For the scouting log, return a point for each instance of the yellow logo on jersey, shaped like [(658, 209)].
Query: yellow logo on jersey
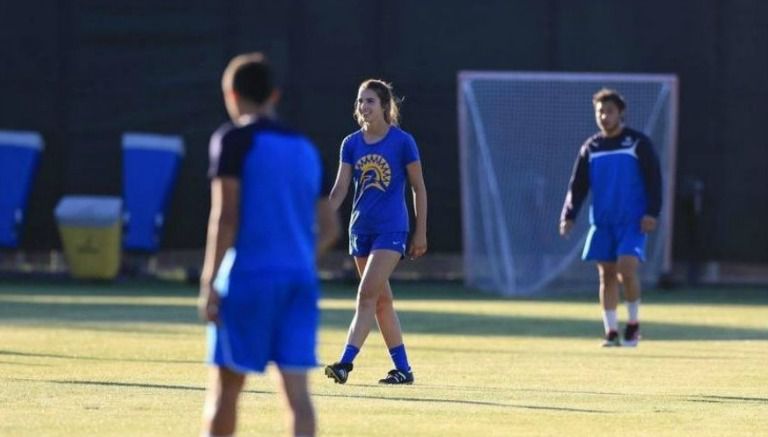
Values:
[(374, 172)]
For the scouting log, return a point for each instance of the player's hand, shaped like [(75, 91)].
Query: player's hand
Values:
[(648, 224), (418, 246), (565, 228), (208, 304)]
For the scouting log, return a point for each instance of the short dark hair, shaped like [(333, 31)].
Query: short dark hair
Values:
[(609, 95), (250, 76)]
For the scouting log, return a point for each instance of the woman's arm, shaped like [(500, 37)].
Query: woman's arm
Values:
[(341, 186), (222, 229), (329, 227), (419, 239)]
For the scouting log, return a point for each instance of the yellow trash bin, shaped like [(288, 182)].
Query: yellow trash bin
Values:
[(90, 228)]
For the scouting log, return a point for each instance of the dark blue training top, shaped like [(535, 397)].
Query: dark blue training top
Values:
[(281, 179), (379, 175), (624, 175)]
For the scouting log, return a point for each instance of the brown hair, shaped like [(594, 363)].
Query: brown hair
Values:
[(609, 95), (250, 77), (390, 103)]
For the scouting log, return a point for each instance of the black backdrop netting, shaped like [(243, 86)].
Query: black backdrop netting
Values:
[(81, 72)]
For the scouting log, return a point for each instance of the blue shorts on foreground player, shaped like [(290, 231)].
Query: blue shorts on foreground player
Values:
[(607, 243), (266, 317)]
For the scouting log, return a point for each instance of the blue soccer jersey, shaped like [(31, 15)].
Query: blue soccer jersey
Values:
[(267, 282), (281, 180), (379, 175), (624, 176)]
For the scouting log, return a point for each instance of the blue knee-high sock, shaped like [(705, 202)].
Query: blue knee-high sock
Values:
[(350, 352), (400, 358)]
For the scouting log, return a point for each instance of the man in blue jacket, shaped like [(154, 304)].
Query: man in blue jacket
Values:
[(620, 167)]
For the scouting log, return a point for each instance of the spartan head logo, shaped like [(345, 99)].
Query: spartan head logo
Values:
[(374, 172)]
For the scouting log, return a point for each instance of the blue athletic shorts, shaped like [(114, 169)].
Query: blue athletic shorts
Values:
[(266, 317), (607, 243), (364, 244)]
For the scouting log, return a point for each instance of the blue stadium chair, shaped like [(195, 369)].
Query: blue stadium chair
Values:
[(150, 167), (19, 158)]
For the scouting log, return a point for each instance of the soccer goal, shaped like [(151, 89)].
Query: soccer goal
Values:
[(519, 133)]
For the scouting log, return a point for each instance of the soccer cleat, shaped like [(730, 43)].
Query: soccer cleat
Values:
[(397, 377), (338, 372), (611, 339), (631, 334)]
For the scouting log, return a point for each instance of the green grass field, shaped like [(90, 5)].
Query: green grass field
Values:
[(126, 360)]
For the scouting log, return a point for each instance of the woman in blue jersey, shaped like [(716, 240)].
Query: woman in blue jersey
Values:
[(379, 158), (621, 169)]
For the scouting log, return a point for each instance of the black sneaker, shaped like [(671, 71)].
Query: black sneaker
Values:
[(631, 334), (611, 339), (397, 377), (338, 372)]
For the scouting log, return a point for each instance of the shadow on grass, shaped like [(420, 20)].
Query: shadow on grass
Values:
[(90, 358), (11, 363), (729, 399), (327, 395), (557, 353), (407, 290), (694, 398), (465, 402), (404, 290), (101, 312), (101, 315), (71, 287), (463, 324), (127, 384)]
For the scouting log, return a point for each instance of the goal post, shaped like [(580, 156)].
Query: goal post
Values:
[(519, 133)]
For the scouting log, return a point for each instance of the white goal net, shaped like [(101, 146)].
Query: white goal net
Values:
[(519, 133)]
